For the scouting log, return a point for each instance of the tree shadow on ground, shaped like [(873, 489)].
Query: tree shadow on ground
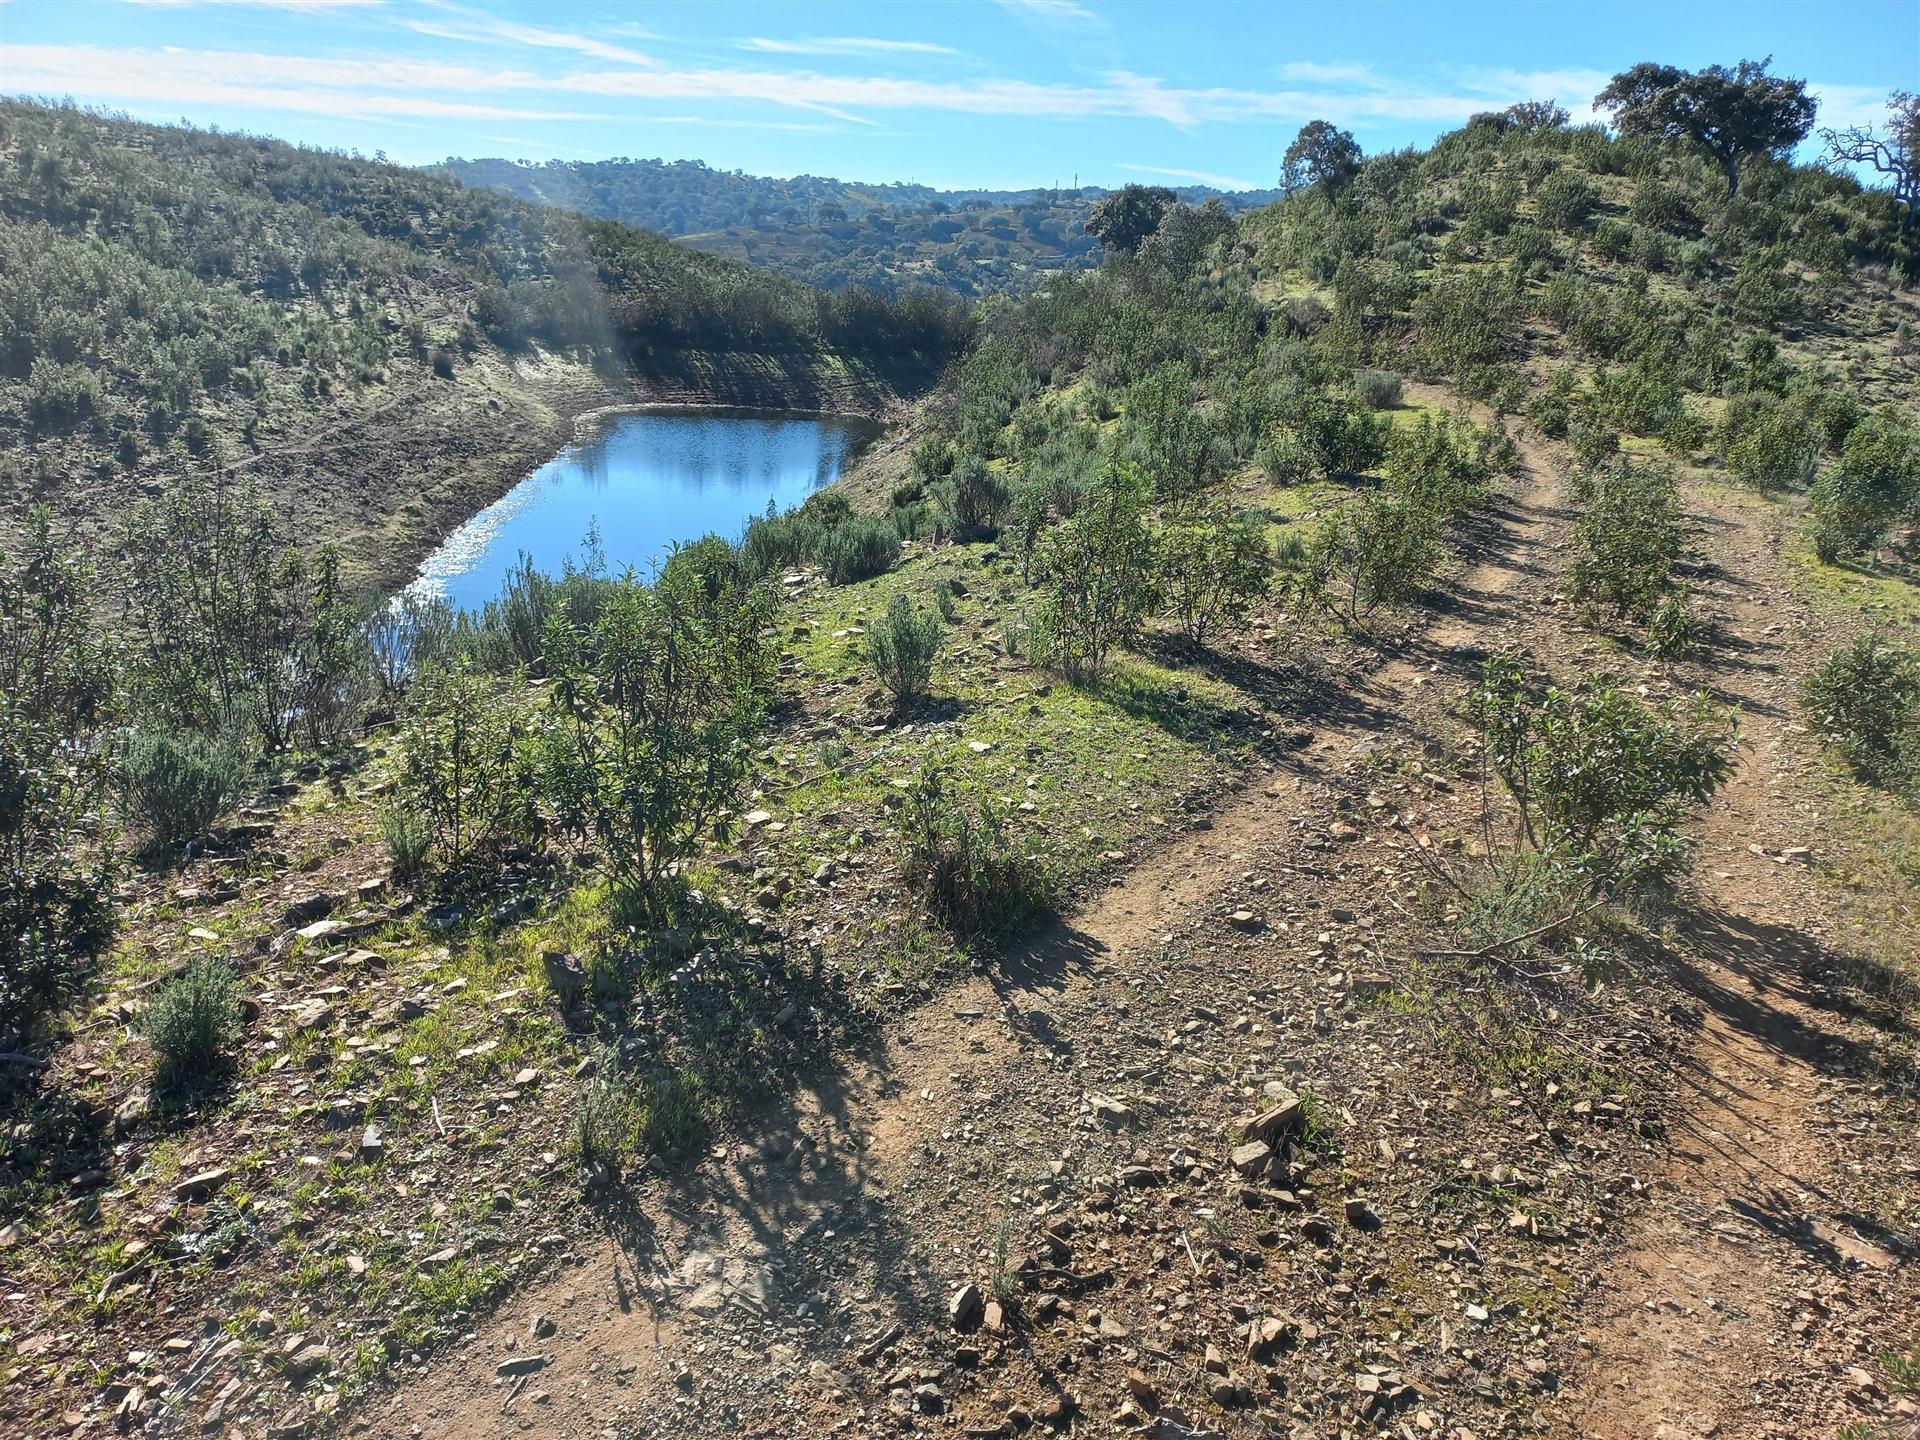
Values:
[(1294, 690), (1779, 985)]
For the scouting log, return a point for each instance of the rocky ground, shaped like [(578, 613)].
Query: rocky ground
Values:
[(1239, 1146), (1224, 1154)]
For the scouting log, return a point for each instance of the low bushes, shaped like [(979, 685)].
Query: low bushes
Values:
[(1377, 389), (823, 532), (963, 863), (466, 771), (175, 785), (1601, 781), (194, 1022), (1213, 564), (1855, 501), (1380, 549), (1629, 537), (858, 549), (1865, 702), (901, 648), (1097, 573)]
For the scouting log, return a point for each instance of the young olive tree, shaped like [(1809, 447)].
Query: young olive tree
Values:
[(656, 707), (1629, 538), (1097, 570), (1600, 780), (1213, 566), (1381, 549), (1877, 477), (465, 766), (230, 627)]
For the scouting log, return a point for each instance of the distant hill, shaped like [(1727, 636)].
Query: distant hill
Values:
[(832, 233), (384, 344)]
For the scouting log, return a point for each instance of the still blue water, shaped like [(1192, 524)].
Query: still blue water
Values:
[(645, 482)]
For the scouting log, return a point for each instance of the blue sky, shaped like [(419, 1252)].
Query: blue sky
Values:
[(957, 94)]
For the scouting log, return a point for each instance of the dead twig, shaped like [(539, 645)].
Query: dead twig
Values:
[(1498, 945)]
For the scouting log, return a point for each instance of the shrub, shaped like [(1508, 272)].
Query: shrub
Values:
[(1685, 433), (411, 634), (464, 766), (1564, 200), (1628, 538), (1098, 572), (1377, 389), (1845, 517), (1865, 701), (194, 1022), (779, 541), (1435, 463), (1466, 320), (330, 676), (59, 394), (1213, 565), (901, 648), (176, 785), (408, 837), (56, 696), (1336, 438), (1776, 448), (1551, 410), (1673, 631), (1178, 447), (1854, 501), (603, 1119), (963, 864), (858, 549), (1380, 549), (980, 495), (1306, 314), (655, 707), (1601, 780)]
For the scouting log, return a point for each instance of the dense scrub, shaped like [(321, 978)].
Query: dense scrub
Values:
[(176, 293), (836, 234)]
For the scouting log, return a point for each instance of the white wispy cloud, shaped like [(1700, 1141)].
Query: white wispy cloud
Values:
[(1845, 106), (632, 30), (478, 27), (1199, 177), (1313, 72), (1052, 10), (363, 89), (844, 45), (395, 85), (263, 4), (1573, 90)]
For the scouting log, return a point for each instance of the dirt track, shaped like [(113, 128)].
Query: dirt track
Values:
[(796, 1284)]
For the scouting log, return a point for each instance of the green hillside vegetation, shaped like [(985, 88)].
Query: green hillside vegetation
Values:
[(832, 233), (683, 835), (173, 298)]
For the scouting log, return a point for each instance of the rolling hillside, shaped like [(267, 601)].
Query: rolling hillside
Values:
[(834, 233), (1327, 842), (388, 347)]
